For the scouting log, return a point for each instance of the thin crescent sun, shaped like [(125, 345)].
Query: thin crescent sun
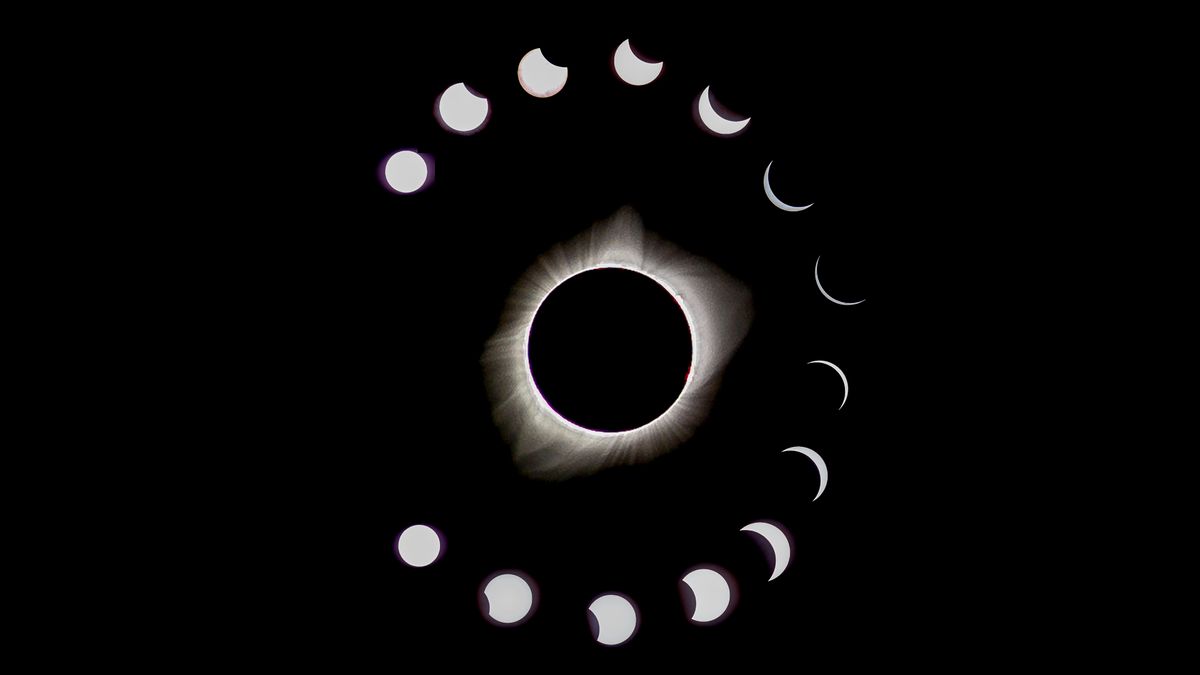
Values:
[(817, 276), (771, 193)]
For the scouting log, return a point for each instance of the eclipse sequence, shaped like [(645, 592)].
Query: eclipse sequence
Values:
[(584, 291)]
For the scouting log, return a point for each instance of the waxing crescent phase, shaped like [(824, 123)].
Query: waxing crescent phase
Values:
[(822, 288), (771, 193), (822, 471), (845, 383)]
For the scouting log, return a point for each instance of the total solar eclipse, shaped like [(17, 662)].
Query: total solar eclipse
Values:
[(610, 349)]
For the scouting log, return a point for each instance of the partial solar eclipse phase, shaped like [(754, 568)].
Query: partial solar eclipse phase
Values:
[(633, 70), (613, 619), (778, 541), (713, 121), (461, 110), (707, 595), (779, 203), (540, 78), (507, 598)]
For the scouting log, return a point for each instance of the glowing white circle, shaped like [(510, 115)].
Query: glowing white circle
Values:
[(419, 545), (406, 171)]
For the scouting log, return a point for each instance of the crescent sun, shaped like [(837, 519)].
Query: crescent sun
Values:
[(822, 288), (822, 470), (845, 383), (633, 70), (771, 193), (778, 540), (713, 121)]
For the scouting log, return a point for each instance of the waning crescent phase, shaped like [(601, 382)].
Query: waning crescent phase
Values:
[(822, 471), (771, 193), (633, 70), (714, 122), (845, 384), (539, 77), (778, 541), (461, 110), (822, 288)]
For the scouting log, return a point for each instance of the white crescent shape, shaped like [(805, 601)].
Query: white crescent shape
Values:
[(714, 122), (779, 544), (845, 384), (539, 77), (460, 110), (712, 594), (616, 619), (822, 288), (816, 459), (771, 193), (509, 598), (633, 70)]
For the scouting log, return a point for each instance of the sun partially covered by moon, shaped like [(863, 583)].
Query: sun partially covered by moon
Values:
[(712, 121), (633, 70), (540, 78), (547, 445), (461, 110)]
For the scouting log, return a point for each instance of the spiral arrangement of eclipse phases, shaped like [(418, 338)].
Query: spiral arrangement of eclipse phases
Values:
[(547, 445)]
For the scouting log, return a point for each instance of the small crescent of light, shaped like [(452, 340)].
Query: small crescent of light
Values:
[(822, 471), (822, 288), (716, 123), (778, 542), (776, 200), (633, 70), (845, 384)]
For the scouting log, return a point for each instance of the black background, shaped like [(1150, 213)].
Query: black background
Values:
[(390, 299)]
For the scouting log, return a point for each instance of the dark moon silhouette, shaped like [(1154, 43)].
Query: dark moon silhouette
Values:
[(610, 349)]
